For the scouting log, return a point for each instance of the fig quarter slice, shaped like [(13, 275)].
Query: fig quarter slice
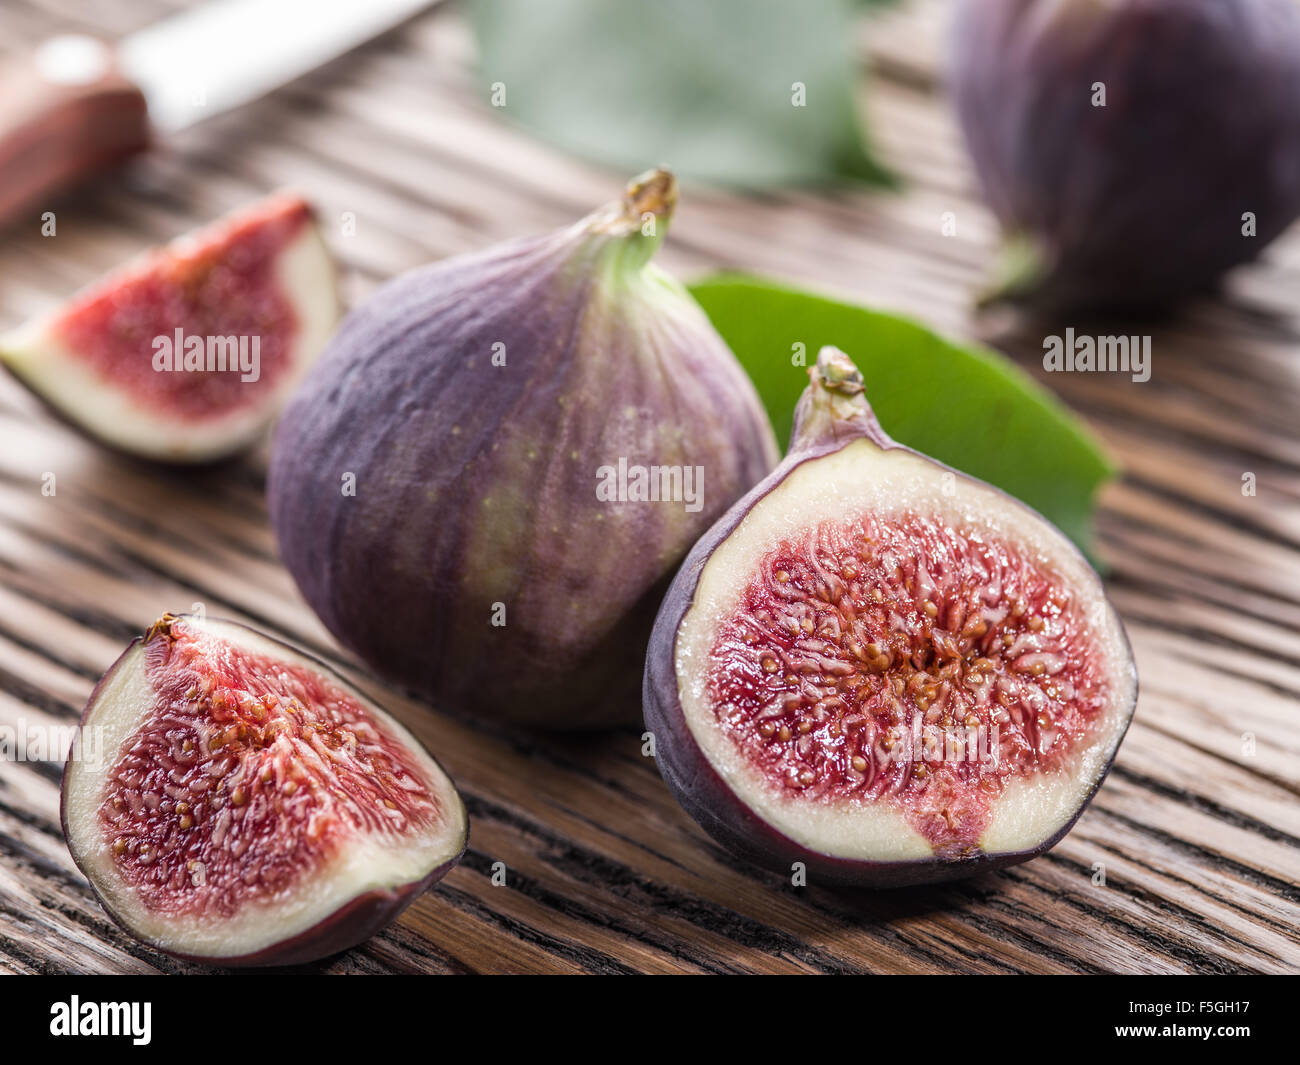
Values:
[(186, 353), (882, 668), (245, 805)]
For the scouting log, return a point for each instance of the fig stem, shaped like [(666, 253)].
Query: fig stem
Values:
[(162, 626), (654, 192), (833, 408), (1018, 272), (640, 219)]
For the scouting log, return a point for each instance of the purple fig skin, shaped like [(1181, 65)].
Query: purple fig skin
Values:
[(698, 787), (476, 483), (1136, 204), (361, 917)]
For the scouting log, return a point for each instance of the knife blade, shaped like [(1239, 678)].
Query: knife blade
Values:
[(78, 105), (227, 53)]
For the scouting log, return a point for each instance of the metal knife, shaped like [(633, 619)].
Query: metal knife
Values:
[(79, 105)]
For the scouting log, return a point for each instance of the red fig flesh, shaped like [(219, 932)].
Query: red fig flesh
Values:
[(883, 668), (186, 354), (246, 806)]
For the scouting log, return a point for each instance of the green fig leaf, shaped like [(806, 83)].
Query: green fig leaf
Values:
[(962, 404), (710, 90)]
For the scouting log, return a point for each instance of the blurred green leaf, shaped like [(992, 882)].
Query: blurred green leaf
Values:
[(707, 88), (964, 405)]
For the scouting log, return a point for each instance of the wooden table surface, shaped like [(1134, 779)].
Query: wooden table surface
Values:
[(1197, 825)]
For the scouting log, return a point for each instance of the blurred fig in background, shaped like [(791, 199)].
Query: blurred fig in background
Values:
[(1133, 150)]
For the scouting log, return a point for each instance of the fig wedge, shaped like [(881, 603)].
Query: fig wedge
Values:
[(245, 805), (186, 354)]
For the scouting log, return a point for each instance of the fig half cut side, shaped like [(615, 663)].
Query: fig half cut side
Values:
[(882, 668), (235, 802)]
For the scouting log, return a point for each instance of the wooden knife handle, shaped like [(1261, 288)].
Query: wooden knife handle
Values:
[(66, 114)]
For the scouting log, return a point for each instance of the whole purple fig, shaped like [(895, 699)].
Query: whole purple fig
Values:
[(1133, 150), (487, 481)]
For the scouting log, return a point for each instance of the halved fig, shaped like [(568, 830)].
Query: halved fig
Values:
[(187, 353), (882, 668), (245, 805)]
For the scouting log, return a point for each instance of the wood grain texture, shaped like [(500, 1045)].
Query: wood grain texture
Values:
[(1197, 827)]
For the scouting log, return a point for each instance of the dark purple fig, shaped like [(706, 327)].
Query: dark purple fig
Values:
[(486, 483), (882, 668), (235, 802), (1133, 150)]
